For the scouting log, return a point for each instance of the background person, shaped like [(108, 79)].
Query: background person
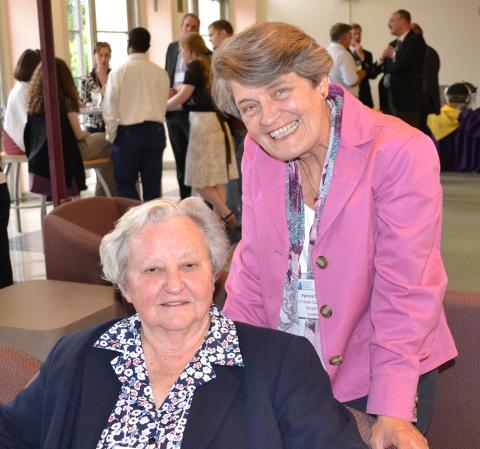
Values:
[(93, 85), (15, 117), (78, 144), (364, 59), (344, 71), (210, 160), (341, 226), (402, 63), (219, 31), (179, 373), (177, 118), (134, 111), (430, 88)]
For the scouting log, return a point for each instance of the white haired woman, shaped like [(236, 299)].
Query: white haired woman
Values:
[(178, 374), (341, 226)]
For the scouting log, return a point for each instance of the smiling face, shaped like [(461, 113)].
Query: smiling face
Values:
[(169, 276), (289, 118)]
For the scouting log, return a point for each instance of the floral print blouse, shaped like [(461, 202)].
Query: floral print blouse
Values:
[(135, 422), (90, 83)]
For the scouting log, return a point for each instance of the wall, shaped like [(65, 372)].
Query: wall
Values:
[(159, 23), (452, 28), (243, 13), (19, 21)]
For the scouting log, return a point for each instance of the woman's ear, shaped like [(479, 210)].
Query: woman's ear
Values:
[(124, 290), (323, 86)]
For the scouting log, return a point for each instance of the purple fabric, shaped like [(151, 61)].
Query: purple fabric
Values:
[(460, 150)]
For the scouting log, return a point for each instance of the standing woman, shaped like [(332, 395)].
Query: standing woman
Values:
[(210, 162), (93, 85), (341, 226), (17, 103)]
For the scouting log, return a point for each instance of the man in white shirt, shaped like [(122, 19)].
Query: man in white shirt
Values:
[(134, 112), (344, 71)]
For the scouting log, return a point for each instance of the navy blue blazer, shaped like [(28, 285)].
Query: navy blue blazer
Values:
[(280, 399)]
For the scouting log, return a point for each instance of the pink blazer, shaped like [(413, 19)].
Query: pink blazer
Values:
[(380, 235)]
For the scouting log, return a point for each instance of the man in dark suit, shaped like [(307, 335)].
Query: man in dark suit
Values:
[(364, 59), (402, 63), (177, 120), (431, 89)]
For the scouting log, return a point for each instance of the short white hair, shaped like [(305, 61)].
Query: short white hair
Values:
[(114, 249)]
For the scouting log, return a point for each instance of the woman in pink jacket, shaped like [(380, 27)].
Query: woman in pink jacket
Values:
[(342, 210)]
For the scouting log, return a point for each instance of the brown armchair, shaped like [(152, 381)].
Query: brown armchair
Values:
[(16, 369), (72, 236)]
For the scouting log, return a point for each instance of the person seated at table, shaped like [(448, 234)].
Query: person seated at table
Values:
[(78, 144), (178, 373), (15, 117), (93, 85)]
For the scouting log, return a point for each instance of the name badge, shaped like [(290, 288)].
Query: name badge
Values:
[(307, 300)]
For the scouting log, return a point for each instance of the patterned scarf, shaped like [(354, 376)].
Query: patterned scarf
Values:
[(289, 320)]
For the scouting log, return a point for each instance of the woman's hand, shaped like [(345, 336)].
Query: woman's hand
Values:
[(402, 434)]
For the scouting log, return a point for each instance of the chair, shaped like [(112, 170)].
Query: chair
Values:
[(72, 236), (16, 369), (457, 413), (96, 165)]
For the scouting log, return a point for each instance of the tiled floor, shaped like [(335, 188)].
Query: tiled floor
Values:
[(26, 248)]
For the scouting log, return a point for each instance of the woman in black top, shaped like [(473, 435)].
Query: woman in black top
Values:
[(210, 162)]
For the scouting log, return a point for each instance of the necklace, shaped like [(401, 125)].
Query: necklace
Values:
[(314, 190)]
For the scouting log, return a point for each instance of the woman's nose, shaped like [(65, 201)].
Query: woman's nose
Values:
[(269, 113), (173, 282)]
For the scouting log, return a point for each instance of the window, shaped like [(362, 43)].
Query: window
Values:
[(91, 21), (208, 11)]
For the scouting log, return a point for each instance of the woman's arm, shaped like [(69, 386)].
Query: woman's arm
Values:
[(408, 288), (181, 97), (75, 124)]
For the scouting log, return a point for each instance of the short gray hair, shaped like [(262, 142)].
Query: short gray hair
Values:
[(262, 53), (114, 249)]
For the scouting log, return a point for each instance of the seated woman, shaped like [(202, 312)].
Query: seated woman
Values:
[(93, 85), (210, 162), (179, 374), (77, 143), (17, 103)]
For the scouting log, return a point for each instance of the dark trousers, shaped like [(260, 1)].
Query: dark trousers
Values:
[(178, 130), (6, 277), (413, 118), (138, 149), (427, 389)]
